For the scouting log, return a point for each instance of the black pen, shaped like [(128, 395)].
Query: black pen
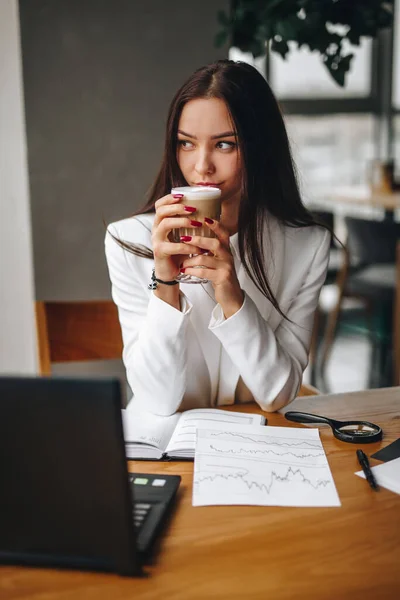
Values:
[(364, 462)]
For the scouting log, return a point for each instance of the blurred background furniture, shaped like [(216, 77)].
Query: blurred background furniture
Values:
[(363, 195), (355, 200), (77, 331), (368, 276), (396, 322)]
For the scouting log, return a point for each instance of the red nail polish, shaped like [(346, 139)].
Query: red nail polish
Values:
[(196, 223), (190, 209), (186, 238), (177, 195), (209, 221), (182, 270)]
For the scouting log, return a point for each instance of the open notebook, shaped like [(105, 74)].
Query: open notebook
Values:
[(152, 437)]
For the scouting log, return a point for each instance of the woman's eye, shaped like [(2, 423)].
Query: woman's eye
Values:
[(185, 144), (226, 145)]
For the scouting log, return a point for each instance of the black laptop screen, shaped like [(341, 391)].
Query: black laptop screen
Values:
[(65, 497)]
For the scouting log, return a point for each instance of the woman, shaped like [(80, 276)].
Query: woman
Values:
[(245, 335)]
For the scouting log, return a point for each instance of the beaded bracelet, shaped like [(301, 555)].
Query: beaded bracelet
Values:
[(153, 285)]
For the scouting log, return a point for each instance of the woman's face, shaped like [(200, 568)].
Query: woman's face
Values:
[(207, 149)]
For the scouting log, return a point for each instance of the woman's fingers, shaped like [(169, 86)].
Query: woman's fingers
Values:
[(201, 260), (208, 244), (172, 210), (217, 271), (202, 272), (174, 248), (168, 199), (220, 231), (165, 201), (166, 225)]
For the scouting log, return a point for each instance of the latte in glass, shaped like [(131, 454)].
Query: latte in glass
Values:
[(207, 201)]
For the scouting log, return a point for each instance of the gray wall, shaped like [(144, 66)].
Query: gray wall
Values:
[(98, 77), (17, 330)]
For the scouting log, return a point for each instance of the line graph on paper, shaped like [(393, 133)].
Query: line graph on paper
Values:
[(275, 466), (271, 453), (266, 439)]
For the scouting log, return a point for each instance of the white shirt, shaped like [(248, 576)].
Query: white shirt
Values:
[(176, 360)]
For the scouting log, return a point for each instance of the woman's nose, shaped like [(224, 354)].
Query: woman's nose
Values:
[(204, 163)]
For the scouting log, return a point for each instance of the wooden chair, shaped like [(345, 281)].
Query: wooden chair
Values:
[(77, 331), (396, 322), (87, 330), (308, 390), (367, 275)]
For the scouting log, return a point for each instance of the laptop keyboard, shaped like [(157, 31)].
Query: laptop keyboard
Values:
[(152, 497), (140, 513)]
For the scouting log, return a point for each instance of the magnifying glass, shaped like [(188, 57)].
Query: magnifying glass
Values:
[(355, 432)]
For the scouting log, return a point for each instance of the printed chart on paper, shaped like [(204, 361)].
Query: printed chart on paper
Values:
[(271, 466)]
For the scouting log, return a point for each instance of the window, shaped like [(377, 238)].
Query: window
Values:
[(331, 150), (303, 85), (335, 146), (302, 75), (396, 147), (396, 58)]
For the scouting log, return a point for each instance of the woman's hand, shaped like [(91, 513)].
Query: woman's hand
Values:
[(218, 267), (168, 255)]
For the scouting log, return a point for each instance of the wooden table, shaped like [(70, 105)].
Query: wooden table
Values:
[(254, 552), (364, 195), (396, 320), (355, 200)]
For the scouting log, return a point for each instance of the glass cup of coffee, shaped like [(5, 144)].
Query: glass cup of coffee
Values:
[(207, 201)]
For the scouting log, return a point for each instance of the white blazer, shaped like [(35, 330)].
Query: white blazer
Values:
[(177, 360)]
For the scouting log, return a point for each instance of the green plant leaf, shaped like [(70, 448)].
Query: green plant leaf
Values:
[(272, 4), (345, 61), (252, 22), (280, 47), (338, 75), (338, 66), (353, 37), (289, 29), (266, 31)]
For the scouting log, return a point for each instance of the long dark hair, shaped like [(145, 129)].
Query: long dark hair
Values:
[(269, 183)]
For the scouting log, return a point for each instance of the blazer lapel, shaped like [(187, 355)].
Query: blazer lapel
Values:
[(274, 253), (202, 296)]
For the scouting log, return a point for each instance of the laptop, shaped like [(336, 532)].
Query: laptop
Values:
[(66, 497)]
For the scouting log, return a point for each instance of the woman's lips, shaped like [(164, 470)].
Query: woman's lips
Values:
[(207, 184)]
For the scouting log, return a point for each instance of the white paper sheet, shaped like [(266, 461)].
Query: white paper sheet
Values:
[(387, 475), (184, 435), (266, 466)]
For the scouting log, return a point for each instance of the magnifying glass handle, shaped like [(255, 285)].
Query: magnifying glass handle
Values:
[(300, 417)]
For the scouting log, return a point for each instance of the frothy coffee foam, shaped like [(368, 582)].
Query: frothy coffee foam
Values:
[(207, 201)]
